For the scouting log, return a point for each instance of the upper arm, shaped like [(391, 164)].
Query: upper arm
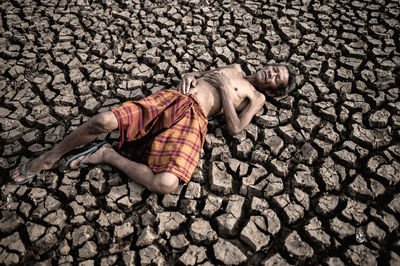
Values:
[(198, 74), (255, 103)]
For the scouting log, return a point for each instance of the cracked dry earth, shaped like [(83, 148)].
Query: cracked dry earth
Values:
[(314, 179)]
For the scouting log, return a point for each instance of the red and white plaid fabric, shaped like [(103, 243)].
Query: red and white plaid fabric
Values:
[(173, 127)]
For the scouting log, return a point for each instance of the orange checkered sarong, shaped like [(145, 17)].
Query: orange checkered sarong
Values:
[(173, 126)]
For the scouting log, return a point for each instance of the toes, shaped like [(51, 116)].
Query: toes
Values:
[(16, 173), (17, 177), (74, 164)]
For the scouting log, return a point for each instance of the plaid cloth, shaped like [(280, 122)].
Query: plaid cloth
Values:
[(173, 127)]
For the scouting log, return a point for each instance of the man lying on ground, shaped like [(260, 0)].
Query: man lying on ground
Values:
[(173, 125)]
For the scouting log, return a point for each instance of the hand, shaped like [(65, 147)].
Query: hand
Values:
[(188, 81), (220, 79)]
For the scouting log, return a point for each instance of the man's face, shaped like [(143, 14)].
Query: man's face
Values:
[(270, 78)]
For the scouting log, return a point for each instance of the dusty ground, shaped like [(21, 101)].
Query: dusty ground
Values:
[(315, 179)]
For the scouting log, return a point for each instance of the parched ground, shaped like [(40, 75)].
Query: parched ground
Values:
[(314, 179)]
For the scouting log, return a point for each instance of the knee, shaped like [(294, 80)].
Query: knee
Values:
[(166, 183), (103, 122)]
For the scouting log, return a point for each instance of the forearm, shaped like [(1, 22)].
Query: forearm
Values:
[(197, 74), (233, 121), (237, 122)]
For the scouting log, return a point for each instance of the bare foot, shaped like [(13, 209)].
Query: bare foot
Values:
[(94, 158), (43, 162)]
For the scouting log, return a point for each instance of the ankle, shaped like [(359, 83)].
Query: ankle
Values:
[(55, 154), (49, 159), (51, 156)]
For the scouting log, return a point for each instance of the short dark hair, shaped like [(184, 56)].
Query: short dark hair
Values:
[(286, 90)]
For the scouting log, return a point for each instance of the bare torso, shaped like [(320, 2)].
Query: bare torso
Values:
[(210, 97)]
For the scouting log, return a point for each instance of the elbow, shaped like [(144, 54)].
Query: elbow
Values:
[(261, 100), (233, 131)]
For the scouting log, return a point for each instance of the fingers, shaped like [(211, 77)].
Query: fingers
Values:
[(184, 86), (187, 85), (180, 86), (16, 172), (187, 82)]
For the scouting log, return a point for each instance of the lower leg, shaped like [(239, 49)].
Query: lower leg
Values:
[(81, 136), (86, 133), (162, 183)]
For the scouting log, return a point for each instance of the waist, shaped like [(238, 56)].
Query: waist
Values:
[(193, 98)]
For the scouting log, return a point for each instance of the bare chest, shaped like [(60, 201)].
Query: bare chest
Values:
[(238, 92)]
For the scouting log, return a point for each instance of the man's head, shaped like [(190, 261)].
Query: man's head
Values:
[(275, 79)]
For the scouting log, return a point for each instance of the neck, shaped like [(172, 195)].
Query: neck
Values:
[(251, 79)]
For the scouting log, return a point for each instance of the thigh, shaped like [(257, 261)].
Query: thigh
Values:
[(177, 149)]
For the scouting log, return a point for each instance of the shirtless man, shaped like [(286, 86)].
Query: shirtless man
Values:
[(203, 95)]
